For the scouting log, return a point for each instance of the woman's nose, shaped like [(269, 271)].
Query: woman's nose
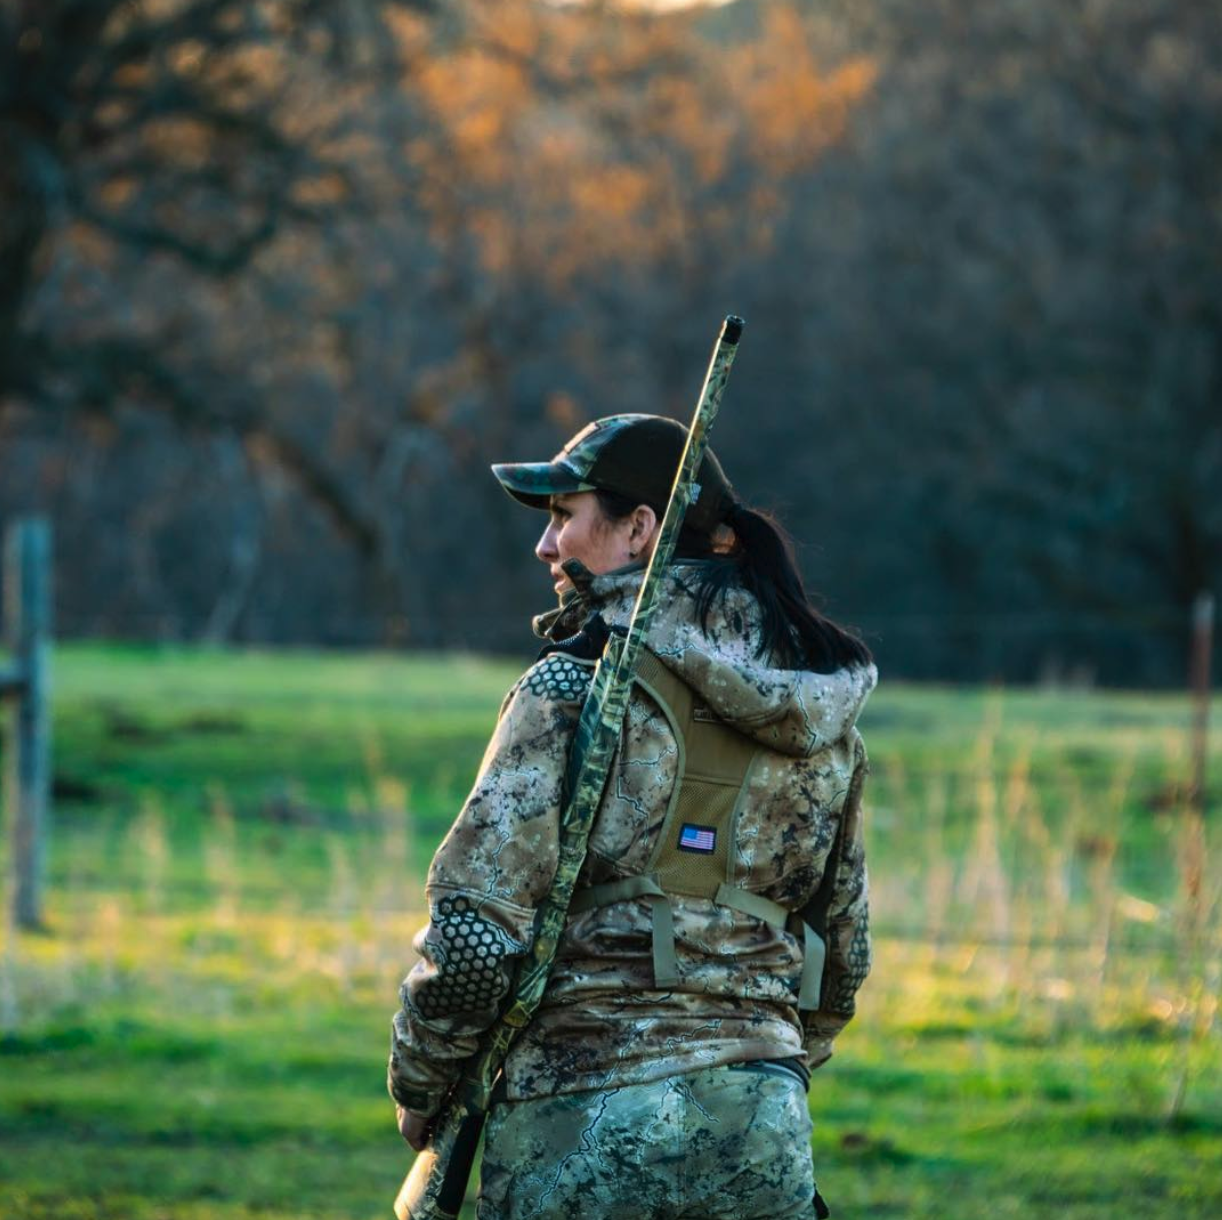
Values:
[(545, 549)]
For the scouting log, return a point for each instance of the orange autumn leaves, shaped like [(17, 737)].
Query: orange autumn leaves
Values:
[(563, 142)]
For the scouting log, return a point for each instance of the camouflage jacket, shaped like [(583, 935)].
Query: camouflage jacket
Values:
[(602, 1022)]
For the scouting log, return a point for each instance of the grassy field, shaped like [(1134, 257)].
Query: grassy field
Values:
[(235, 877)]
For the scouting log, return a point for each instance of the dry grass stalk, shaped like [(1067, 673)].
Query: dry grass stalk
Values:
[(394, 847), (1017, 798), (1198, 901), (153, 848), (985, 888), (221, 857), (939, 872), (1100, 848)]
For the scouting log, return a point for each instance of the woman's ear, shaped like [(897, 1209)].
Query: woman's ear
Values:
[(644, 524)]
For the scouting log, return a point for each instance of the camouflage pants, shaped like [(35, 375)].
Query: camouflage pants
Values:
[(726, 1143)]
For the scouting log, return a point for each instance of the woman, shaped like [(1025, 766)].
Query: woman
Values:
[(665, 1072)]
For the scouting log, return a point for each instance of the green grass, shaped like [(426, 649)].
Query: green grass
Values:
[(236, 874)]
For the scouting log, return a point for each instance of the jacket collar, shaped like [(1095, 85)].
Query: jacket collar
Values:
[(793, 711), (588, 594)]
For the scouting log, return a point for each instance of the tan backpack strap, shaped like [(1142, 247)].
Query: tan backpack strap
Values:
[(662, 918), (667, 687), (616, 891), (814, 954), (752, 904), (665, 959), (693, 855), (814, 951)]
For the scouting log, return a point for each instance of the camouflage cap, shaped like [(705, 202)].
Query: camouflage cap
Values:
[(634, 455)]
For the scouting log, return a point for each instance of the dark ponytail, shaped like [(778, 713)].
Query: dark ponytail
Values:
[(793, 632)]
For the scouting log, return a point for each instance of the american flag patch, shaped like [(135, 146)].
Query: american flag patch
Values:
[(697, 838)]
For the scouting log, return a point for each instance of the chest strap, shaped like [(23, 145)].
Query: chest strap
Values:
[(693, 855)]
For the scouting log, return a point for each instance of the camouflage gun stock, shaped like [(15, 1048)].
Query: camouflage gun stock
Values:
[(435, 1187)]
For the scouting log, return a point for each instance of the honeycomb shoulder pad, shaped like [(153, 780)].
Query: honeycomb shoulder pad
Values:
[(559, 677)]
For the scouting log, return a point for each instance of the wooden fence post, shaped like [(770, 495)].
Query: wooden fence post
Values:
[(1202, 653), (1192, 951), (26, 683)]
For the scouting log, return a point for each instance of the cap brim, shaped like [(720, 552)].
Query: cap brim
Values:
[(532, 483)]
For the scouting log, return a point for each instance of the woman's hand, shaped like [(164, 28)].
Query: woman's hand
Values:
[(412, 1127)]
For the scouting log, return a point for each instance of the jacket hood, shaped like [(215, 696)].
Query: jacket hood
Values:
[(795, 712)]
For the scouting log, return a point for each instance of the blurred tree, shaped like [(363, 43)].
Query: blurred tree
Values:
[(180, 139), (594, 181), (1034, 324), (280, 279)]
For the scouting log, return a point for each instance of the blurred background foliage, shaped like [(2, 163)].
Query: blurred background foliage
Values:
[(279, 278)]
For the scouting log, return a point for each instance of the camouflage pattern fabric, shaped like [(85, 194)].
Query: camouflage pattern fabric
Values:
[(730, 1142), (634, 455), (602, 1023), (436, 1180), (533, 482)]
